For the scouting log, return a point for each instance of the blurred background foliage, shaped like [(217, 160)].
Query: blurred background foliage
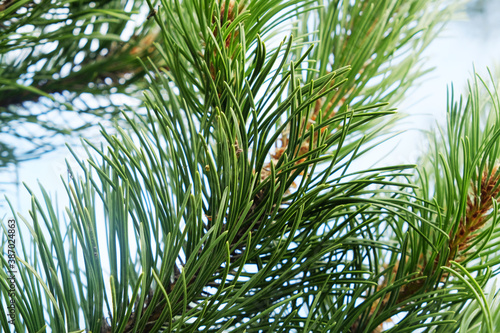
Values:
[(65, 66)]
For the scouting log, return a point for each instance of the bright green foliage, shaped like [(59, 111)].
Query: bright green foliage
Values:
[(461, 175), (380, 40), (232, 204)]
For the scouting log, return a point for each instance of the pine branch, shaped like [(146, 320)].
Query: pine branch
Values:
[(232, 203), (479, 205), (469, 213)]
